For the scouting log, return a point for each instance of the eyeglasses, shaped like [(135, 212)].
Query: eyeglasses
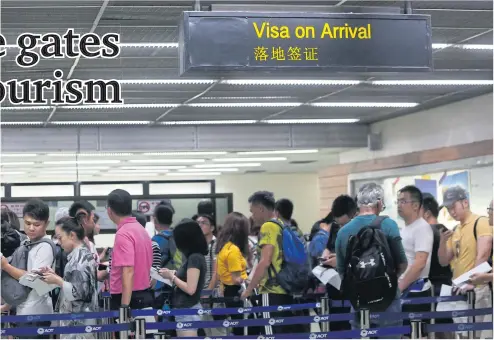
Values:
[(403, 202)]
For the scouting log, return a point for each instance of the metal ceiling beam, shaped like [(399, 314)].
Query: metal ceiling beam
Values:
[(210, 87), (76, 61)]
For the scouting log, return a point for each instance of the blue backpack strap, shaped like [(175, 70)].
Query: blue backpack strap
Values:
[(165, 249)]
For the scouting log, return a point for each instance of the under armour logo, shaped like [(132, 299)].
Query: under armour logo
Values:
[(363, 264)]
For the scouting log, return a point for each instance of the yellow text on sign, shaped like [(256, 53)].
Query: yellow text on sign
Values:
[(265, 30)]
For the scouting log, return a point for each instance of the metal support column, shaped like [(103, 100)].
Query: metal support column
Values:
[(408, 7)]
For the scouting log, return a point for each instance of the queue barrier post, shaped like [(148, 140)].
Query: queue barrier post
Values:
[(364, 320), (433, 309), (325, 311), (107, 321), (471, 305), (123, 317), (417, 326), (140, 328)]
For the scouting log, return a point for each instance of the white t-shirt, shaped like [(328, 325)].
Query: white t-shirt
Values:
[(41, 255), (418, 237)]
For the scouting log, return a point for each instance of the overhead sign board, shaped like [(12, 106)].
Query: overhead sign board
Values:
[(247, 41)]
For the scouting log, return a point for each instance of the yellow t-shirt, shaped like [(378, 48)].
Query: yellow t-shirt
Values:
[(464, 246), (271, 234), (231, 260)]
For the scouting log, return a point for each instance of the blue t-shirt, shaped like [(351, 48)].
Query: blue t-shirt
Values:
[(163, 243), (388, 226), (318, 243)]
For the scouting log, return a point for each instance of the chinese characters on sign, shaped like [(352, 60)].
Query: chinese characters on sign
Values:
[(294, 53)]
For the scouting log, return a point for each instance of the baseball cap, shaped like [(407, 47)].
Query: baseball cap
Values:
[(453, 195)]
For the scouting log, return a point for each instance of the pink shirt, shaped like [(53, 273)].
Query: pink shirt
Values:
[(132, 248)]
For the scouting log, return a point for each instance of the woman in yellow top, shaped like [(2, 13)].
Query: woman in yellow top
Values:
[(233, 246)]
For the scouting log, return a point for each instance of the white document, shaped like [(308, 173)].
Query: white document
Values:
[(34, 281), (482, 268), (156, 276), (327, 275)]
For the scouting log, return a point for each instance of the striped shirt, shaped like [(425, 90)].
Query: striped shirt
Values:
[(210, 258)]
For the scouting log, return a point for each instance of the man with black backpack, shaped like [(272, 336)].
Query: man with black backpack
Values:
[(370, 258)]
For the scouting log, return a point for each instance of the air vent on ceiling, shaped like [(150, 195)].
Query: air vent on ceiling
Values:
[(302, 162), (255, 171)]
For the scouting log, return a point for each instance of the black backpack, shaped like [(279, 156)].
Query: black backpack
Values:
[(370, 279)]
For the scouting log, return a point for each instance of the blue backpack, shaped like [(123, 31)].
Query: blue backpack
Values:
[(295, 268)]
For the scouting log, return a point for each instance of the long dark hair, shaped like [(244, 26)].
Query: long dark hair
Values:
[(235, 230), (189, 238), (10, 217)]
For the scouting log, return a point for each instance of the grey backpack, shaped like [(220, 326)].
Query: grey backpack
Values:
[(13, 293)]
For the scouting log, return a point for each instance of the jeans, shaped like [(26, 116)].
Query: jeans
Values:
[(395, 307)]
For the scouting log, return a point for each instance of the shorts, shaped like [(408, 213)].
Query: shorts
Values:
[(188, 318)]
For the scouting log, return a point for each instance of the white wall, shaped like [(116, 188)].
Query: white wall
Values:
[(301, 188), (462, 122)]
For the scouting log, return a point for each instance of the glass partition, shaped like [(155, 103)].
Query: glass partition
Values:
[(184, 205)]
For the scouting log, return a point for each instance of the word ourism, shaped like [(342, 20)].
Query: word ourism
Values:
[(265, 30), (35, 47)]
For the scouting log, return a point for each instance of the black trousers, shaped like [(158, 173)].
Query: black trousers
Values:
[(422, 308), (231, 292)]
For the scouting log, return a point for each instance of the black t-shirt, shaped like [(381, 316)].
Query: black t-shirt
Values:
[(331, 245), (438, 274), (180, 298)]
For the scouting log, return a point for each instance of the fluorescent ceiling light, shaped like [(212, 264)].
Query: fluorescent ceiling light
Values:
[(289, 82), (123, 171), (277, 152), (247, 98), (267, 104), (464, 46), (213, 169), (81, 168), (16, 163), (185, 153), (433, 82), (21, 123), (229, 165), (363, 104), (101, 122), (248, 159), (153, 168), (209, 122), (86, 172), (150, 45), (310, 121), (167, 81), (124, 45), (121, 106), (22, 107), (18, 155), (102, 161), (12, 173), (178, 160), (143, 174), (95, 154), (194, 174)]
